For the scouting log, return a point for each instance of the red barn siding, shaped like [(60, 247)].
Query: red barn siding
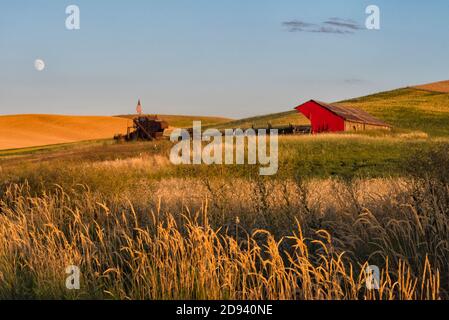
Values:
[(322, 120)]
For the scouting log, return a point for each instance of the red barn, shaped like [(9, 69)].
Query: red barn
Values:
[(332, 118)]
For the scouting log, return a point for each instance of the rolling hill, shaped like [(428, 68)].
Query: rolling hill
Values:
[(406, 109), (24, 131), (21, 131), (441, 86)]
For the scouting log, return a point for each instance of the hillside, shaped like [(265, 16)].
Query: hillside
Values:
[(407, 109), (275, 119), (441, 86), (21, 131)]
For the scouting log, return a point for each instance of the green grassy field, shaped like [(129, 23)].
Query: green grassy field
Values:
[(336, 155)]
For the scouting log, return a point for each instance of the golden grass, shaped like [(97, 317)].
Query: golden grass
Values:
[(161, 243), (142, 163), (126, 254), (21, 131), (177, 192), (441, 86)]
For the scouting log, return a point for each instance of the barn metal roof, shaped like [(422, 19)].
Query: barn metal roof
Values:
[(352, 114)]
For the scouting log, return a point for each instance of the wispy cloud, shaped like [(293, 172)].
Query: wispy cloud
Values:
[(296, 25), (332, 25), (343, 23), (354, 81)]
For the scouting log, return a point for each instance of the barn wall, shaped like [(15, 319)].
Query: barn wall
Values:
[(355, 126), (322, 120)]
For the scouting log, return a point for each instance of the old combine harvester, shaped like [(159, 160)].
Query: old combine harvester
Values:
[(145, 128)]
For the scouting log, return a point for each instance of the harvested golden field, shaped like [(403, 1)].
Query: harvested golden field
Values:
[(24, 131), (21, 131), (442, 86)]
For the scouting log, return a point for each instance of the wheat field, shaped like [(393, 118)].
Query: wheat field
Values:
[(35, 130), (21, 131)]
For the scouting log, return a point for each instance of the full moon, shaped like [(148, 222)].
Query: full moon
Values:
[(39, 65)]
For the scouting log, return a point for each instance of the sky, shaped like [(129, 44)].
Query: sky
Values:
[(232, 58)]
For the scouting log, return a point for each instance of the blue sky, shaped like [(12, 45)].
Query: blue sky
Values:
[(232, 58)]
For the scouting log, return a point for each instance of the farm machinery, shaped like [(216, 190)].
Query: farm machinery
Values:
[(145, 128), (288, 129)]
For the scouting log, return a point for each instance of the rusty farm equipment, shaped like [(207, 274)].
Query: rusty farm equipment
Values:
[(145, 128)]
